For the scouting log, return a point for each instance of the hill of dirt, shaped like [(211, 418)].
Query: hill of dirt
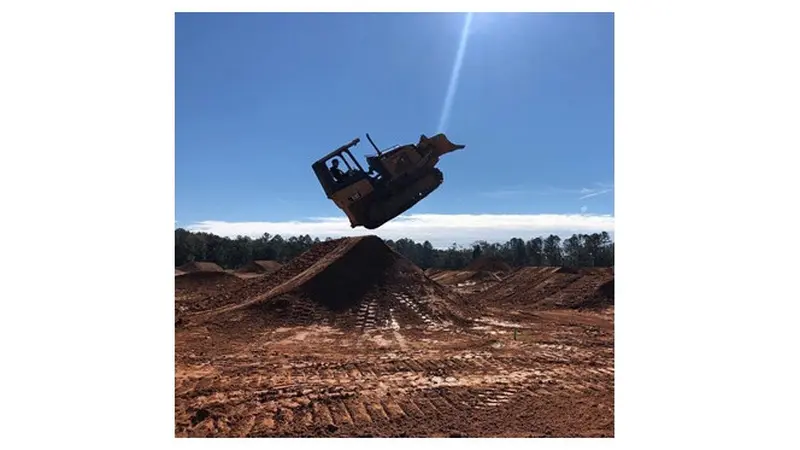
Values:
[(200, 266), (432, 271), (600, 297), (257, 286), (354, 283), (194, 286), (489, 264), (201, 280), (456, 277), (260, 266), (551, 287)]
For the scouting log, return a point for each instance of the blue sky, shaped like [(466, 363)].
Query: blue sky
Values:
[(259, 97)]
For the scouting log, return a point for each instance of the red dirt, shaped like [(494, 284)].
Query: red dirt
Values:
[(432, 271), (192, 287), (200, 266), (200, 280), (556, 379), (360, 284), (600, 297), (352, 339), (257, 286), (489, 264), (546, 288), (455, 277), (467, 281), (260, 266)]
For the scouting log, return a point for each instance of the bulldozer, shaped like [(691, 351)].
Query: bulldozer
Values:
[(398, 178)]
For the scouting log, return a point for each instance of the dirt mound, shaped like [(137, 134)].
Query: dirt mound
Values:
[(601, 297), (606, 289), (353, 283), (456, 277), (200, 266), (261, 285), (260, 266), (483, 275), (450, 277), (193, 280), (433, 271), (590, 289), (546, 288), (489, 264), (191, 288)]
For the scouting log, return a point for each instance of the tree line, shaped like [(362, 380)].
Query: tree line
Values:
[(579, 250)]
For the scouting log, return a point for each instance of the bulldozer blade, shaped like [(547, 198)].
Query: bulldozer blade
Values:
[(440, 144)]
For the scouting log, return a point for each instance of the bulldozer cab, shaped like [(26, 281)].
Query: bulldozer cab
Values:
[(338, 170)]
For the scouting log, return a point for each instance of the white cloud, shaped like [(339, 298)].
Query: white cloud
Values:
[(584, 209), (440, 229)]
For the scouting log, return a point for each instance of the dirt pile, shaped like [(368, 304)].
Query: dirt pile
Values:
[(260, 267), (353, 283), (200, 266), (194, 286), (200, 280), (549, 287), (601, 297), (259, 286), (450, 277), (432, 271), (458, 277), (489, 264), (483, 275)]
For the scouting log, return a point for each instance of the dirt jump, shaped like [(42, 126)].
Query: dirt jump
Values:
[(259, 267), (352, 339), (200, 266)]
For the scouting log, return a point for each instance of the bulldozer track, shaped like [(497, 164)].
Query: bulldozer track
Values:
[(366, 317), (406, 198)]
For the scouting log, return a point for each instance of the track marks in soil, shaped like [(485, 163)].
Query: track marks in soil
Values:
[(398, 388)]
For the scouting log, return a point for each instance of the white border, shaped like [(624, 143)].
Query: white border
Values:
[(706, 126)]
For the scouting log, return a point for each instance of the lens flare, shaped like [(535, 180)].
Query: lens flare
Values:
[(455, 74)]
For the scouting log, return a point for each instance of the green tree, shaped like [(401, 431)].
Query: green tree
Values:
[(476, 252), (552, 250), (428, 257), (519, 256), (571, 251), (579, 250), (534, 250)]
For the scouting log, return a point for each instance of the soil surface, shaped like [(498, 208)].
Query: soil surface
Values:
[(468, 281), (260, 267), (352, 339), (200, 266)]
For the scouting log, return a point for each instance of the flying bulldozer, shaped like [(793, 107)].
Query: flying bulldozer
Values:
[(398, 178)]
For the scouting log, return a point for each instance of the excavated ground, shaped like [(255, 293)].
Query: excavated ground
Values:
[(351, 339), (191, 288), (549, 288), (467, 281)]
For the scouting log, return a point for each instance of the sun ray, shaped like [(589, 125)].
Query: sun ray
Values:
[(455, 74)]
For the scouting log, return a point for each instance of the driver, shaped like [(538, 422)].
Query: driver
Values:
[(337, 173)]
